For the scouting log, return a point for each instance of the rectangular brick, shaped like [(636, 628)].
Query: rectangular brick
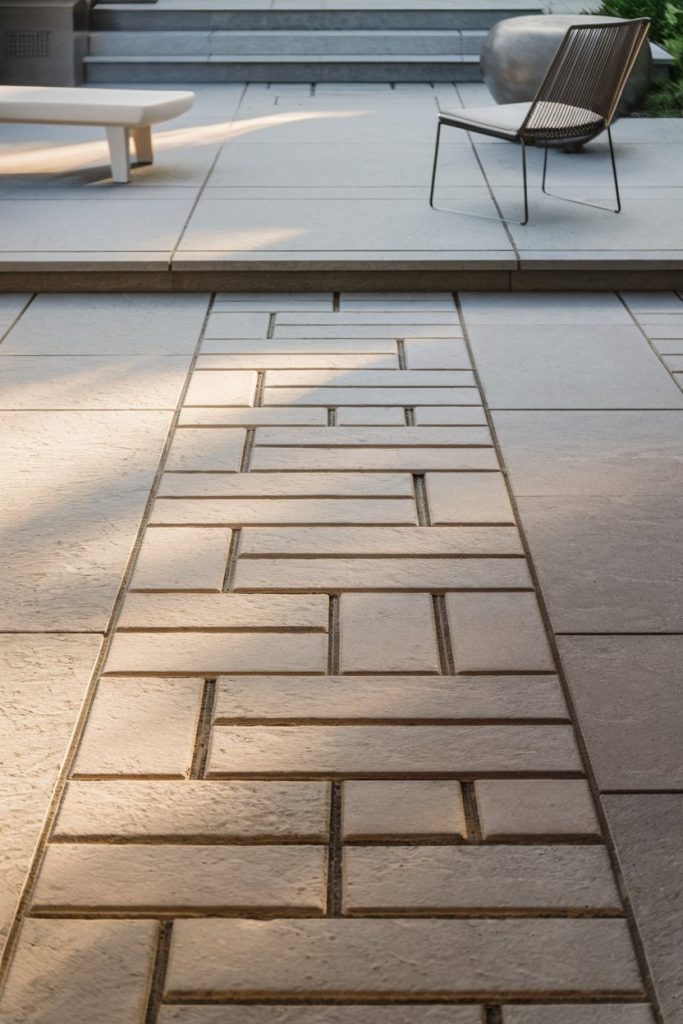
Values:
[(249, 417), (298, 360), (378, 750), (308, 574), (206, 449), (403, 317), (514, 808), (483, 878), (468, 498), (141, 727), (351, 437), (412, 460), (224, 611), (273, 511), (381, 540), (328, 1014), (410, 301), (369, 378), (388, 633), (246, 302), (361, 959), (238, 325), (498, 633), (330, 396), (586, 1013), (221, 387), (393, 698), (456, 415), (429, 354), (399, 330), (202, 810), (179, 877), (209, 654), (402, 809), (286, 485), (187, 559), (350, 416), (382, 346)]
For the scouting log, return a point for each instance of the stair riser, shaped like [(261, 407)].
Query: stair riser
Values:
[(301, 71)]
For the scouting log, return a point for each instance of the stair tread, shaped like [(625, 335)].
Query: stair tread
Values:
[(279, 58)]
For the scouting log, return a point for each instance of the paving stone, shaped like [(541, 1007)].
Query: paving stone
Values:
[(290, 360), (322, 437), (468, 498), (206, 450), (382, 540), (248, 302), (283, 485), (10, 308), (592, 453), (652, 302), (84, 972), (370, 396), (498, 633), (414, 460), (349, 416), (413, 301), (181, 559), (221, 387), (369, 378), (491, 878), (462, 415), (237, 325), (608, 564), (179, 877), (586, 1013), (388, 633), (379, 330), (370, 750), (379, 810), (273, 511), (251, 417), (394, 1014), (648, 833), (402, 317), (315, 346), (141, 727), (425, 354), (432, 958), (224, 611), (627, 693), (208, 654), (305, 574), (535, 807), (202, 810), (549, 308)]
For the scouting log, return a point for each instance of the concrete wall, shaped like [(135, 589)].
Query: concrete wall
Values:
[(42, 42)]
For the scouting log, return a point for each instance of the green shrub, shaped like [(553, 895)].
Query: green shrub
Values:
[(655, 10)]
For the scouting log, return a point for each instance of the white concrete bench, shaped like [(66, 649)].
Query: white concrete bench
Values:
[(122, 112)]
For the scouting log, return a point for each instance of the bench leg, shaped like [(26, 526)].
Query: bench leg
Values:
[(142, 140), (119, 149)]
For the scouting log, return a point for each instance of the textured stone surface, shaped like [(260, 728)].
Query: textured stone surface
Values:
[(604, 1013), (378, 810), (368, 540), (387, 633), (187, 559), (498, 632), (271, 511), (414, 460), (468, 498), (221, 387), (224, 611), (530, 807), (385, 437), (206, 450), (365, 1014), (283, 485)]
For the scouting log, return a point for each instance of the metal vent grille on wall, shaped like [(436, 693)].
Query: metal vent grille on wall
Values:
[(26, 44)]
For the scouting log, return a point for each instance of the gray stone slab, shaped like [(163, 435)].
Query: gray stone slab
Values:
[(648, 832), (608, 564), (562, 308), (627, 693), (10, 308), (567, 367), (592, 453)]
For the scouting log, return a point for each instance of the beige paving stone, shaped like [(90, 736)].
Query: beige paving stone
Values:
[(141, 727), (181, 559), (394, 1014), (369, 378), (412, 460), (272, 511), (402, 317), (333, 396), (491, 878), (351, 416), (398, 330), (224, 611), (455, 415), (586, 1013), (221, 387), (284, 485), (498, 633), (238, 325), (378, 810), (179, 877), (247, 302), (468, 498), (323, 437), (408, 301), (206, 450), (202, 653), (427, 354), (249, 417), (357, 751), (388, 633), (305, 574), (429, 958), (318, 346), (381, 540), (532, 807), (83, 972), (365, 698), (298, 360), (227, 810)]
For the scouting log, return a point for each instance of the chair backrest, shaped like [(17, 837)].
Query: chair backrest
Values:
[(586, 77)]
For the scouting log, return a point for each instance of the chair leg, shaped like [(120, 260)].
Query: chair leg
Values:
[(434, 164), (614, 170), (119, 150), (580, 202), (526, 187), (142, 140)]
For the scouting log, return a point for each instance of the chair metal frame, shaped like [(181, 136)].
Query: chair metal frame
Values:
[(574, 84)]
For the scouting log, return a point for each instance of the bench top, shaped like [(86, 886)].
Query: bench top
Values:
[(121, 107)]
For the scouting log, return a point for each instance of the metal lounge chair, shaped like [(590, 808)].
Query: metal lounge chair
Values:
[(577, 99)]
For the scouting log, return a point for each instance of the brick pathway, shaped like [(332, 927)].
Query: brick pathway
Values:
[(329, 770)]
